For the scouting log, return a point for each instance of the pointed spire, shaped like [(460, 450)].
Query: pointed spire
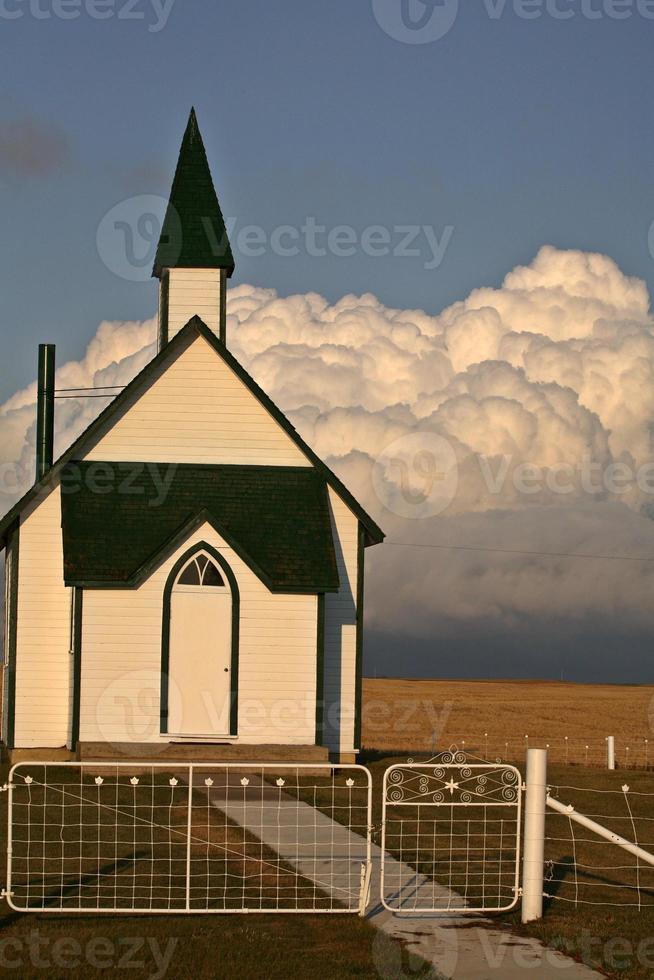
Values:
[(193, 234)]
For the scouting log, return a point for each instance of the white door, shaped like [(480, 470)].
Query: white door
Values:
[(200, 651)]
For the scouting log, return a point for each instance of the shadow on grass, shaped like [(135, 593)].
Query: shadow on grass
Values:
[(55, 898)]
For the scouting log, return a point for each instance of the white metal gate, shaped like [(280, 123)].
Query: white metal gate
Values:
[(174, 837), (451, 836)]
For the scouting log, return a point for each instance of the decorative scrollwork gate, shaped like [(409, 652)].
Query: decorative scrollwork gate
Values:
[(451, 835)]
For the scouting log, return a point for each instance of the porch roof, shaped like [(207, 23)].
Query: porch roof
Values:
[(120, 519)]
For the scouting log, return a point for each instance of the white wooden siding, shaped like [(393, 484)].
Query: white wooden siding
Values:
[(341, 632), (43, 633), (193, 292), (197, 411), (121, 659)]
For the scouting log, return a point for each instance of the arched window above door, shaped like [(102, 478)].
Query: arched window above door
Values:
[(201, 571)]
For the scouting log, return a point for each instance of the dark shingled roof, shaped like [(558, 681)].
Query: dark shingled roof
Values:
[(193, 233), (119, 519)]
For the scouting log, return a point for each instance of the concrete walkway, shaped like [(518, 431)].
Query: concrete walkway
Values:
[(323, 851)]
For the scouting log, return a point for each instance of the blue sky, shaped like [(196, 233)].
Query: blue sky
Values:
[(513, 132), (508, 129)]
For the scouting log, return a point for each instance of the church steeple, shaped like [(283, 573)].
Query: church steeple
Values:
[(193, 234), (194, 258)]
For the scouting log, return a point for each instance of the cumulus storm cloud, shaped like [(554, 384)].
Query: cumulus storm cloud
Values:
[(543, 389)]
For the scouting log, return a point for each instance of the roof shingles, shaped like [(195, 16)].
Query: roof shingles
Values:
[(118, 522), (193, 233)]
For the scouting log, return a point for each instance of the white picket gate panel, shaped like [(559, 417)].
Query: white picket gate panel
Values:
[(451, 836), (177, 838)]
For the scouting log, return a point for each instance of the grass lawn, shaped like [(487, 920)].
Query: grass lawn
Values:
[(193, 946), (34, 944)]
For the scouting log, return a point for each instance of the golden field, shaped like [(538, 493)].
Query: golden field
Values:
[(493, 717)]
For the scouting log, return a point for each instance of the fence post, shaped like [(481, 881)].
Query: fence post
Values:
[(189, 815), (610, 752), (534, 840)]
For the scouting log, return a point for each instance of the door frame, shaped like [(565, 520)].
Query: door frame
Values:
[(165, 633)]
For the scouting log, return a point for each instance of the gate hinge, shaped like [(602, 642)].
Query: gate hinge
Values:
[(4, 788), (5, 894)]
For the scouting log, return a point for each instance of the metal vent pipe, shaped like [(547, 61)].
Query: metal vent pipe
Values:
[(45, 410)]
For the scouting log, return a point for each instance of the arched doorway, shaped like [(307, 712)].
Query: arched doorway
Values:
[(200, 647)]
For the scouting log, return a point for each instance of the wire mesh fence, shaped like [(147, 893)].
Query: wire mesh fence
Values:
[(583, 868), (630, 752), (187, 838)]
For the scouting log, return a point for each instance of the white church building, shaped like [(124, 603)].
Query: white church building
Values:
[(186, 581)]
